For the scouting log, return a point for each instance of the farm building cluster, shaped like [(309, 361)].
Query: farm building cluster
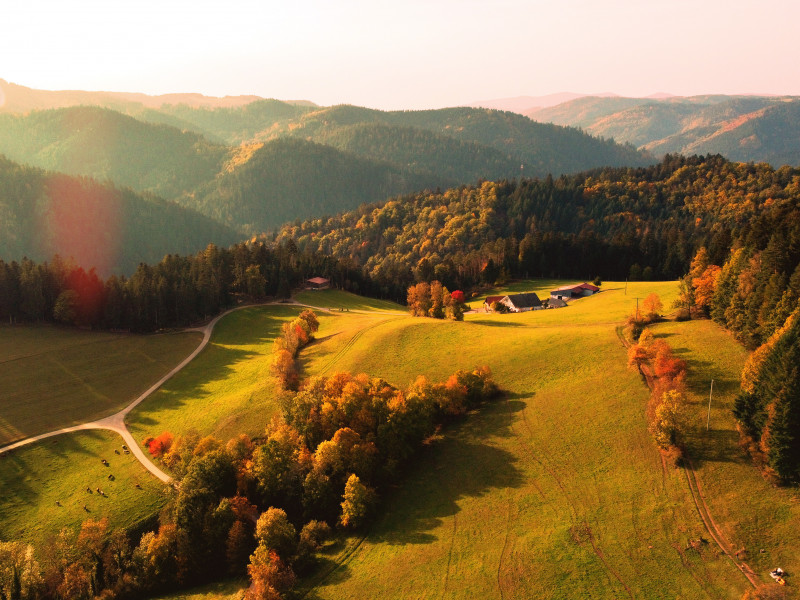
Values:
[(531, 301)]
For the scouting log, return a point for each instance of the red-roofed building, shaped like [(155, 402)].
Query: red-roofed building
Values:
[(318, 283), (487, 304)]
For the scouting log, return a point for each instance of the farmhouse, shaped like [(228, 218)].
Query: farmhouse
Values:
[(567, 292), (522, 302), (318, 283)]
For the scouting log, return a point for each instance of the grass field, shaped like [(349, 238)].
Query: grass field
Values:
[(754, 514), (60, 469), (556, 491), (338, 299), (54, 377), (227, 590), (227, 389)]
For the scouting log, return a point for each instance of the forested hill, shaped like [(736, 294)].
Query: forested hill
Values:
[(265, 186), (616, 223), (541, 148), (100, 226), (743, 128), (107, 145), (314, 161)]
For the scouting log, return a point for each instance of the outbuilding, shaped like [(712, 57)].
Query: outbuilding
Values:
[(522, 302), (487, 304), (318, 283)]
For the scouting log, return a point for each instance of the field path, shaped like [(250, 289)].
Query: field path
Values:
[(696, 492), (116, 422)]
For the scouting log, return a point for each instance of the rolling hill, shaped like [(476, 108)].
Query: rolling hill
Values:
[(287, 179), (108, 145), (742, 128), (111, 229)]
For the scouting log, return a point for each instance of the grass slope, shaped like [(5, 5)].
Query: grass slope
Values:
[(56, 377), (228, 388), (752, 513), (558, 492), (35, 477), (338, 299)]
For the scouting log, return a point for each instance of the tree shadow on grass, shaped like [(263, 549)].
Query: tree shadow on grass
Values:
[(460, 466), (216, 362), (496, 323)]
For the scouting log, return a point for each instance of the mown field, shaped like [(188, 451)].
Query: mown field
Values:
[(56, 377), (59, 470), (555, 491), (228, 388), (756, 516)]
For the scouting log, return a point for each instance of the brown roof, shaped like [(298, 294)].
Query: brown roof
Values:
[(491, 299), (319, 280)]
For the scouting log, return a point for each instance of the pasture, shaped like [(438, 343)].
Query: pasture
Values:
[(227, 389), (754, 514), (555, 492), (56, 377), (338, 299), (45, 487)]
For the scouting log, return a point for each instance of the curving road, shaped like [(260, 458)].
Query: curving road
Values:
[(116, 422)]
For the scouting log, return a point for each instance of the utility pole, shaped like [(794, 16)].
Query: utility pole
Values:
[(708, 420), (626, 286), (637, 307)]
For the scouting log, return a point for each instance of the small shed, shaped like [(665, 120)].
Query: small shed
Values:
[(318, 283), (556, 303), (522, 302), (487, 304)]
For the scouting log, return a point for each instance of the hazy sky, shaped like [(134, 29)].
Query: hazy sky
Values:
[(405, 53)]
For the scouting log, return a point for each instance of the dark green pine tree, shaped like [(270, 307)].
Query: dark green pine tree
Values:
[(782, 431)]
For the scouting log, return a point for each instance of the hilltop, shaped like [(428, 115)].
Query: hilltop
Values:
[(742, 128)]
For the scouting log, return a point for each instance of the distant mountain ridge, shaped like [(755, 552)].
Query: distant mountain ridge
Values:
[(20, 99), (231, 159), (741, 128)]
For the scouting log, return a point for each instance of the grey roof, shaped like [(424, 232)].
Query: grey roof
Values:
[(526, 300), (556, 303)]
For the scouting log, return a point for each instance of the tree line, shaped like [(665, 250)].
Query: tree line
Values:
[(177, 291), (257, 507)]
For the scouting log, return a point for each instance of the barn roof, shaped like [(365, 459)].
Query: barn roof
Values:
[(525, 300), (318, 280)]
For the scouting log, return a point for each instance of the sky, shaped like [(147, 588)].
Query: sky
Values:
[(407, 54)]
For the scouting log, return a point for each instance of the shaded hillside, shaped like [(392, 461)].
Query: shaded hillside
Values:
[(429, 153), (743, 128), (107, 145), (288, 179), (542, 148), (229, 125), (113, 230)]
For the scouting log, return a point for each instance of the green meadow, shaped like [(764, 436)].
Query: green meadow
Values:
[(756, 516), (555, 491), (45, 487), (56, 377), (227, 389)]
